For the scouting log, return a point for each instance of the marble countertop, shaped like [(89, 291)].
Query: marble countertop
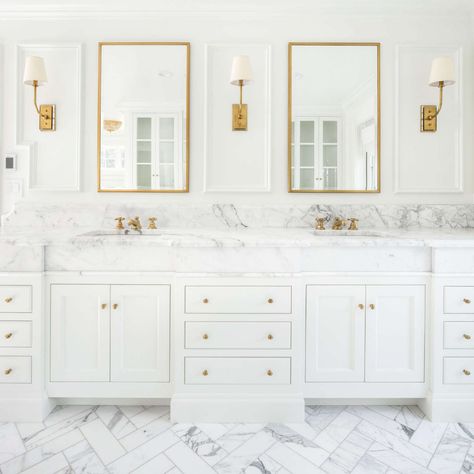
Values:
[(235, 238)]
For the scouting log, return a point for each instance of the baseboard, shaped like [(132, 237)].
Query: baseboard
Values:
[(113, 401), (362, 401), (446, 408), (191, 408), (25, 410)]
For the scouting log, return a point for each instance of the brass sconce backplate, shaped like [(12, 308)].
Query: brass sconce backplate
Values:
[(428, 118), (47, 118), (239, 117)]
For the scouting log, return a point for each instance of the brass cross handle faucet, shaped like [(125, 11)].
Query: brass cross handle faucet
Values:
[(319, 224), (338, 223), (354, 223), (119, 224), (135, 224), (152, 223)]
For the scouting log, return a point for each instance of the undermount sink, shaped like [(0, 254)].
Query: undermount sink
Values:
[(351, 233), (125, 232)]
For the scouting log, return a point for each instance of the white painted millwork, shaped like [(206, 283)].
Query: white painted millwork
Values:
[(458, 370), (15, 369), (139, 332), (15, 333), (237, 370), (335, 324), (80, 333), (238, 299), (458, 335), (15, 299), (459, 299), (395, 334), (238, 335)]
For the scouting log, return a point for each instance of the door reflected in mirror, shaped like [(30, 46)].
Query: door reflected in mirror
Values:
[(143, 118), (334, 117)]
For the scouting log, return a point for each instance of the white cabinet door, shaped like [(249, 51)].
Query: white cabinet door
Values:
[(140, 318), (80, 324), (335, 333), (395, 333)]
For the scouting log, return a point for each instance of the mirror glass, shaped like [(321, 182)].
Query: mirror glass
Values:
[(143, 119), (334, 117)]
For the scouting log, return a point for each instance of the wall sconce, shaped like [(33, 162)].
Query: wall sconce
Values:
[(442, 75), (241, 75), (35, 75), (111, 125)]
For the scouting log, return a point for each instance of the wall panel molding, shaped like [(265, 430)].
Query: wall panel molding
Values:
[(427, 162), (54, 157), (237, 161)]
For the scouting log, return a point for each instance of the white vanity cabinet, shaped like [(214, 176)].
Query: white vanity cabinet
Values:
[(109, 333), (365, 333)]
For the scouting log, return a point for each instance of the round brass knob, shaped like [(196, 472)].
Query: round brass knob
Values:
[(361, 306), (8, 371), (205, 336), (115, 306), (205, 373), (371, 306), (103, 305), (269, 373), (8, 300), (270, 337), (205, 301), (270, 300), (467, 301), (8, 335), (466, 336), (466, 372)]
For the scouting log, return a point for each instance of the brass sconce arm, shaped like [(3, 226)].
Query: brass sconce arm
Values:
[(440, 106), (47, 119)]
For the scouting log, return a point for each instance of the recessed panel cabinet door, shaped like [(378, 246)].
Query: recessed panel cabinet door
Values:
[(335, 333), (80, 324), (140, 318), (395, 327)]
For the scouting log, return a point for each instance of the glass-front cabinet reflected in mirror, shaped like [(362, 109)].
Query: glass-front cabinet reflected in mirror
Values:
[(334, 117), (143, 118)]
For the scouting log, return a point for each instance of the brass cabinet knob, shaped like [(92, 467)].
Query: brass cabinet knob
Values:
[(466, 336), (8, 371), (103, 305), (360, 306), (205, 301), (467, 301), (371, 306), (115, 306), (205, 336), (8, 335), (8, 300), (270, 300), (466, 372), (205, 373), (270, 337), (269, 373)]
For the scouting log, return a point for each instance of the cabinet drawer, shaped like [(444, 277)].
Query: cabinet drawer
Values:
[(15, 333), (238, 299), (15, 299), (15, 369), (458, 370), (458, 335), (237, 370), (458, 299), (238, 335)]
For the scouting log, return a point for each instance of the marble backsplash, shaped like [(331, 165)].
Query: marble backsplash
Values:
[(101, 216)]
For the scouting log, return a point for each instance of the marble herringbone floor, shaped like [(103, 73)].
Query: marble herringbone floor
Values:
[(138, 439)]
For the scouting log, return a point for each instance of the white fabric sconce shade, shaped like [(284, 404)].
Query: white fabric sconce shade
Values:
[(442, 70), (34, 71), (241, 71)]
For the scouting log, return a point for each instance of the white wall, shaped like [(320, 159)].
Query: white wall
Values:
[(413, 23)]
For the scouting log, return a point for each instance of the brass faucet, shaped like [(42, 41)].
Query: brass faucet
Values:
[(338, 224), (319, 224), (119, 224), (135, 224), (353, 223), (152, 223)]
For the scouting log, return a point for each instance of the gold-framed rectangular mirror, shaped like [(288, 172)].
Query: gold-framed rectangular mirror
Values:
[(143, 117), (333, 117)]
